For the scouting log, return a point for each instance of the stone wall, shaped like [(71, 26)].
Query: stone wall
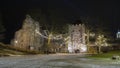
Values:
[(77, 38), (26, 37)]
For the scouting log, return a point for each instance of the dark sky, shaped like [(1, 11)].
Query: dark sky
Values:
[(97, 11)]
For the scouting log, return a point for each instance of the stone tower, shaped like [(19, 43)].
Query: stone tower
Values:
[(26, 37), (77, 38)]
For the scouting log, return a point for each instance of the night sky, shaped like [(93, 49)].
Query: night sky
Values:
[(65, 11)]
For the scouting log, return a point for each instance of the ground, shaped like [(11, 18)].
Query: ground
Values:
[(57, 61)]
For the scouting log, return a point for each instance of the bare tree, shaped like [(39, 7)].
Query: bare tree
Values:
[(101, 41)]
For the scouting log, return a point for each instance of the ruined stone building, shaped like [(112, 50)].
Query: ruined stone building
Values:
[(77, 38), (31, 37), (26, 37)]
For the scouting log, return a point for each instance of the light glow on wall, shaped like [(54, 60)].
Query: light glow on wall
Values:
[(118, 34)]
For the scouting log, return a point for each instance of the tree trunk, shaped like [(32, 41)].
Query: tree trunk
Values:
[(99, 49), (87, 40)]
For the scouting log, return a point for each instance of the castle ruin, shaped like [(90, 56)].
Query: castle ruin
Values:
[(76, 38), (26, 37)]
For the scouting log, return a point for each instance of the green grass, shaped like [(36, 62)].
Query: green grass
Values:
[(10, 50), (105, 55)]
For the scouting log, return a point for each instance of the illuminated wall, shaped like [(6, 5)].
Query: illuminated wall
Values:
[(77, 38), (26, 37), (118, 34)]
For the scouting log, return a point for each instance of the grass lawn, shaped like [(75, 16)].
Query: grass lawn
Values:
[(105, 55), (10, 50)]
